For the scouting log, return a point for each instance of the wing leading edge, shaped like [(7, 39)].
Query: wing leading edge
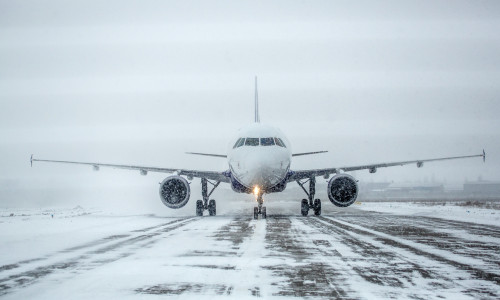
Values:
[(308, 153), (302, 174), (217, 176), (207, 154)]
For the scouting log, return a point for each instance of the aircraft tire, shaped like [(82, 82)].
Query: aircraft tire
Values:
[(199, 208), (304, 207), (317, 207), (212, 209)]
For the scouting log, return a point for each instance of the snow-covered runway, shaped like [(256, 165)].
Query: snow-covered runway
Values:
[(348, 254)]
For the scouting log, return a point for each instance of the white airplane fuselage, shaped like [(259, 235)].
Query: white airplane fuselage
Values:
[(261, 161)]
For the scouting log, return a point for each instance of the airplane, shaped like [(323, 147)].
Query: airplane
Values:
[(259, 163)]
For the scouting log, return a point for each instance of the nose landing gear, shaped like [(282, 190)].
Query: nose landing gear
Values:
[(311, 203), (259, 210)]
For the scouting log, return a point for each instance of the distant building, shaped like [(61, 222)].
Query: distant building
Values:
[(416, 188), (482, 188), (374, 186), (389, 190)]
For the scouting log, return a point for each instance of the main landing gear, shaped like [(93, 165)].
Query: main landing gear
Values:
[(310, 203), (204, 204), (259, 210)]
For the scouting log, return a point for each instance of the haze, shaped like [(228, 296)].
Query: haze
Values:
[(142, 82)]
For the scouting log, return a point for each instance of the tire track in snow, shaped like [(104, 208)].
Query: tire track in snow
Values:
[(89, 258), (476, 241), (303, 272), (431, 252), (83, 246), (231, 247), (393, 261), (368, 270)]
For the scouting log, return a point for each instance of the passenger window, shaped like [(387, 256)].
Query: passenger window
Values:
[(237, 142), (267, 141), (252, 142), (242, 141), (279, 142)]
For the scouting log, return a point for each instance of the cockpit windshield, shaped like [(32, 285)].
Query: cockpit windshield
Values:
[(240, 142), (252, 142), (267, 141), (279, 142), (237, 142)]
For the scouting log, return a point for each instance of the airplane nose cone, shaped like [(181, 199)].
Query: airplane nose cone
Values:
[(263, 170)]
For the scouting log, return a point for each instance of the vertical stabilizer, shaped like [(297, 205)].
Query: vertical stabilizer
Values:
[(257, 117)]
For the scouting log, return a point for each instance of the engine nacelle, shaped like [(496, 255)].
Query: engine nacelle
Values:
[(174, 191), (342, 190)]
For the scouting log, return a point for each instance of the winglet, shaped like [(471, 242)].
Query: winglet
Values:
[(484, 156), (31, 160), (257, 117)]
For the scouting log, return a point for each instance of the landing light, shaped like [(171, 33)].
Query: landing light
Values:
[(256, 191)]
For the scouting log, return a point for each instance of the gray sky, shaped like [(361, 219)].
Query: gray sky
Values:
[(144, 81)]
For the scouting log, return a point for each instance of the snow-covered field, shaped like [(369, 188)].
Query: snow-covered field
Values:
[(368, 251), (443, 210)]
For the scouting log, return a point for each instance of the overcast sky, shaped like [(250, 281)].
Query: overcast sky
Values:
[(144, 81)]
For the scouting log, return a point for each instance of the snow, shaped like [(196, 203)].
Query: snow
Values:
[(442, 210), (401, 251), (67, 228)]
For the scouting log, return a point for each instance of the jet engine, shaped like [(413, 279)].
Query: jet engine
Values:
[(342, 190), (174, 191)]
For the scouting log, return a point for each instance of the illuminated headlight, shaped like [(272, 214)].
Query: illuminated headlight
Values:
[(256, 191)]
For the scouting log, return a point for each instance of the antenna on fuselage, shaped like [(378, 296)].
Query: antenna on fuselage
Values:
[(257, 117)]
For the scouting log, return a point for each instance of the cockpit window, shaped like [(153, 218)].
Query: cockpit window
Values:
[(237, 142), (252, 142), (241, 142), (279, 142), (267, 141)]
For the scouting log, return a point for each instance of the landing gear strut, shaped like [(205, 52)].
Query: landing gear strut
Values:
[(259, 210), (204, 204), (310, 203)]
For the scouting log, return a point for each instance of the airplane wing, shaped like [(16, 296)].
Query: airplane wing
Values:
[(207, 154), (308, 153), (217, 176), (303, 174)]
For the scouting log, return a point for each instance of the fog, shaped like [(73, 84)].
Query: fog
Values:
[(142, 82)]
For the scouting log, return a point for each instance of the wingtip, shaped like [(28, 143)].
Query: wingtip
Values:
[(484, 156), (31, 160)]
